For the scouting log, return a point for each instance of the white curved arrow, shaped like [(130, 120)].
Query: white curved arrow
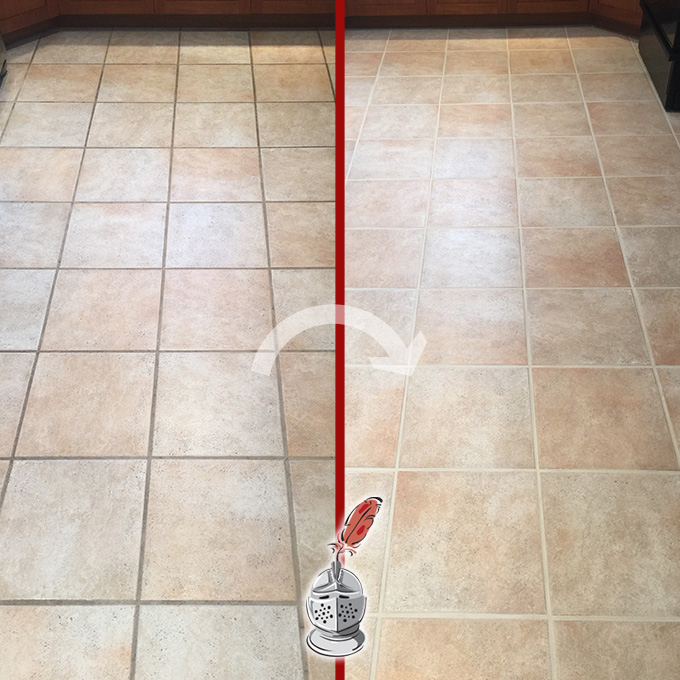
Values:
[(400, 358)]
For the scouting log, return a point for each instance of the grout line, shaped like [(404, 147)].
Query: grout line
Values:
[(164, 457), (518, 470)]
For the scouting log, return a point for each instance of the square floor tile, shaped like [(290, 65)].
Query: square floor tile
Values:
[(622, 649), (286, 47), (39, 174), (296, 123), (392, 159), (215, 309), (124, 175), (391, 203), (661, 316), (472, 326), (216, 235), (468, 158), (383, 258), (545, 88), (31, 233), (490, 408), (564, 202), (565, 258), (215, 83), (471, 257), (645, 200), (13, 81), (400, 122), (585, 326), (479, 39), (104, 310), (301, 234), (72, 47), (15, 371), (601, 418), (215, 125), (476, 63), (541, 61), (603, 87), (138, 83), (475, 120), (607, 60), (61, 83), (412, 64), (72, 530), (417, 40), (623, 531), (551, 120), (299, 174), (22, 53), (363, 64), (358, 90), (216, 175), (489, 89), (200, 641), (89, 405), (653, 255), (414, 90), (628, 118), (298, 289), (214, 47), (374, 403), (670, 383), (502, 650), (40, 124), (63, 642), (23, 299), (483, 552), (5, 110), (557, 157), (131, 125), (143, 47), (642, 155), (308, 382), (583, 37), (207, 404), (473, 203), (537, 38), (184, 543), (292, 83), (115, 235)]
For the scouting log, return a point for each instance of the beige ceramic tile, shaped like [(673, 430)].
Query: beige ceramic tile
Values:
[(480, 39), (417, 40), (298, 289), (400, 122), (215, 125), (5, 110), (551, 120), (473, 203), (643, 155), (392, 159), (653, 255), (143, 47), (308, 382), (472, 326), (115, 235), (412, 64), (363, 64), (39, 174), (475, 120), (138, 83), (184, 543), (66, 642), (480, 89), (482, 257), (357, 666), (15, 371), (645, 200), (124, 175), (386, 203), (286, 47), (72, 47), (354, 120), (467, 158), (625, 650), (39, 124), (373, 414), (23, 296), (503, 650), (627, 118), (216, 235), (537, 38), (383, 258), (603, 87), (31, 233), (557, 157), (601, 418), (490, 408), (131, 125), (622, 531), (198, 314), (545, 88), (214, 47), (366, 40), (72, 530), (607, 60), (670, 383), (586, 326), (573, 202), (661, 316), (358, 89), (104, 310), (583, 37), (13, 82), (214, 83), (414, 90), (480, 532), (301, 234), (207, 405), (22, 53), (565, 258), (215, 175), (199, 641), (541, 61), (328, 43), (88, 405), (296, 124), (299, 174), (476, 63), (293, 83)]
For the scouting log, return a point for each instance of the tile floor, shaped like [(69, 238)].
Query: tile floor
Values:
[(514, 196), (164, 198)]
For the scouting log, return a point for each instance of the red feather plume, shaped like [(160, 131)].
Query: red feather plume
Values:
[(357, 524)]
